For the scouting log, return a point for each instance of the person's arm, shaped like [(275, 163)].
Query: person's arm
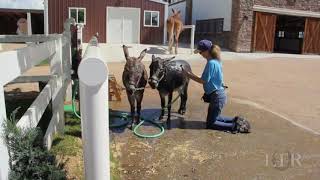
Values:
[(194, 77)]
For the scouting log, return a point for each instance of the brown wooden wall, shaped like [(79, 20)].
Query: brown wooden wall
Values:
[(96, 17)]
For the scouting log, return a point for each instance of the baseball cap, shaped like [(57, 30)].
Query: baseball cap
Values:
[(203, 45)]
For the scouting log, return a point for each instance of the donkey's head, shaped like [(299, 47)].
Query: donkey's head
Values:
[(176, 13), (157, 70), (134, 68)]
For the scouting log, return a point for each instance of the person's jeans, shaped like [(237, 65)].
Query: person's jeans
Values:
[(214, 117)]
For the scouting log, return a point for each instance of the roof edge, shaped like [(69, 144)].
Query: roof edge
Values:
[(285, 11), (160, 2), (21, 10)]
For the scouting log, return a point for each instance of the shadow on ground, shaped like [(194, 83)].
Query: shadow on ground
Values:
[(157, 50)]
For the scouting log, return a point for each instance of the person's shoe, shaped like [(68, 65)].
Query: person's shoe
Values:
[(241, 125)]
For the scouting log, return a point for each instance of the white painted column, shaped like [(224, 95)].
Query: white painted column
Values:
[(4, 162), (122, 29), (93, 76), (166, 14), (193, 31), (29, 24), (46, 17)]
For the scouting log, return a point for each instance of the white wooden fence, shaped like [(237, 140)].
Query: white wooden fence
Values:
[(55, 48)]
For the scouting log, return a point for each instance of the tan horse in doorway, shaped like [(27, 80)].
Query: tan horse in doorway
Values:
[(175, 27)]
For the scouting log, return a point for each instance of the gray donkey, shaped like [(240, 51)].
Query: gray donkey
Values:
[(134, 79)]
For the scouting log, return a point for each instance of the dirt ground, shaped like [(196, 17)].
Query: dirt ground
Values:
[(278, 96)]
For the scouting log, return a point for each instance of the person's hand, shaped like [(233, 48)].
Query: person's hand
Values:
[(185, 72)]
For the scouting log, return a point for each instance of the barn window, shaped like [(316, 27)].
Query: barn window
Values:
[(79, 14), (151, 18)]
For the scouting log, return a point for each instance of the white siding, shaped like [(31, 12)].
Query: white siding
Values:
[(212, 9), (179, 6)]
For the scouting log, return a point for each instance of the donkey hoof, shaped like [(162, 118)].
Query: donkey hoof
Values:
[(169, 126), (131, 127), (182, 111)]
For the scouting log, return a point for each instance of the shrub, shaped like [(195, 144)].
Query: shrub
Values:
[(28, 158)]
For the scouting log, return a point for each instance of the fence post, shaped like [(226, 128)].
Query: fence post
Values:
[(4, 163), (67, 57), (93, 77), (57, 71)]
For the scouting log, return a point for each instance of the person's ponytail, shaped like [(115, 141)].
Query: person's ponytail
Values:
[(216, 52)]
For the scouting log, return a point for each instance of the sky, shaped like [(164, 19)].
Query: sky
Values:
[(22, 4)]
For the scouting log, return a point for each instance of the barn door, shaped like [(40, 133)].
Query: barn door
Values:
[(265, 29), (311, 44), (123, 25)]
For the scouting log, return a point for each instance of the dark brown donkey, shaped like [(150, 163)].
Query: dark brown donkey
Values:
[(134, 79)]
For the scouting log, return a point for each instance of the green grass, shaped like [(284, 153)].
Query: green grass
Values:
[(70, 145), (66, 145), (114, 168), (44, 63)]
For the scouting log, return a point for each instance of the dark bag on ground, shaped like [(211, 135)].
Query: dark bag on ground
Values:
[(206, 98)]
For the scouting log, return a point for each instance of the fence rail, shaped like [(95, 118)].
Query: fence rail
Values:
[(25, 38), (57, 50)]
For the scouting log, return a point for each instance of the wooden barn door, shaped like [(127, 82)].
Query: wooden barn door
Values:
[(311, 44), (264, 32)]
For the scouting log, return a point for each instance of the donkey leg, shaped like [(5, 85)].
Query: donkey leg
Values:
[(139, 101), (171, 41), (184, 98), (132, 107), (169, 110), (163, 103), (177, 42)]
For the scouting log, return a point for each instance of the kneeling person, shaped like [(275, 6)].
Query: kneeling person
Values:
[(212, 80)]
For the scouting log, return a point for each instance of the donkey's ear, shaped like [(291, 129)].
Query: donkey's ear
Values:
[(173, 11), (125, 51), (169, 59), (153, 57), (142, 54), (178, 12)]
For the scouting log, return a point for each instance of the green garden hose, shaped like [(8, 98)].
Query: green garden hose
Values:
[(74, 92), (124, 116), (137, 127)]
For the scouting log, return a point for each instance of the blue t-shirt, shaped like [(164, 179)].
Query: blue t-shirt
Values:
[(213, 76)]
